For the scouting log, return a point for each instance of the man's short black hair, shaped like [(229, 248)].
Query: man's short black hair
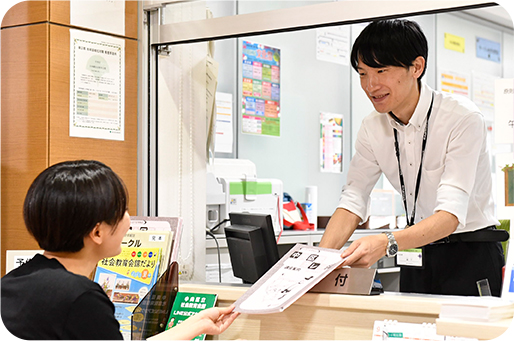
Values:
[(395, 42), (68, 199)]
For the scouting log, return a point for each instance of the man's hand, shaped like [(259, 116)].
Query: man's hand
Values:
[(365, 251)]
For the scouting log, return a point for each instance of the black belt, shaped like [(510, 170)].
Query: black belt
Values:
[(488, 234)]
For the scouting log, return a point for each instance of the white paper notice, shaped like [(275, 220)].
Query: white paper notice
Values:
[(294, 274), (504, 111), (333, 44), (97, 86), (104, 16), (224, 118)]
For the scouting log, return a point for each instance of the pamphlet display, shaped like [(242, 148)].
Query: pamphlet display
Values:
[(291, 277), (126, 279), (188, 304), (152, 239)]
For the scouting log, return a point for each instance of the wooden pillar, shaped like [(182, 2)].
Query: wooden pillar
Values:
[(35, 109)]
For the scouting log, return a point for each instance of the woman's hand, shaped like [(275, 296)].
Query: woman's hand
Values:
[(212, 321)]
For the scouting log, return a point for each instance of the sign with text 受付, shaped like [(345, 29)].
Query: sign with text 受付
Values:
[(357, 281)]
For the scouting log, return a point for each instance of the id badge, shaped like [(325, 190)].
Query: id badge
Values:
[(412, 258)]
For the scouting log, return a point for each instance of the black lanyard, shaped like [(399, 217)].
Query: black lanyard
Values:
[(418, 180)]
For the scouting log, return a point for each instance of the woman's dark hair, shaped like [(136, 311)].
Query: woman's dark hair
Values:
[(390, 43), (68, 199)]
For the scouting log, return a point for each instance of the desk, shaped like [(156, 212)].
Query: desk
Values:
[(335, 317)]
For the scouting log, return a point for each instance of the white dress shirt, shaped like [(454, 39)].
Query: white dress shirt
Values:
[(456, 173)]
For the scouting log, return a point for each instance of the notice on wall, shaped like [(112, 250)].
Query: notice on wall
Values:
[(331, 142), (504, 111), (483, 93), (454, 82), (97, 86), (261, 90), (224, 122), (454, 43), (333, 44), (488, 50)]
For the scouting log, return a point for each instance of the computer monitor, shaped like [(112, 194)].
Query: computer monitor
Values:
[(251, 244)]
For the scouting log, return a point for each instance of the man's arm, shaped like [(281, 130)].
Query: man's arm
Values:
[(339, 229), (365, 251)]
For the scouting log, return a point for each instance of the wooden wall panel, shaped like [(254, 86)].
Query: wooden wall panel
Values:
[(24, 126), (121, 156), (35, 109), (26, 12), (131, 8), (59, 12)]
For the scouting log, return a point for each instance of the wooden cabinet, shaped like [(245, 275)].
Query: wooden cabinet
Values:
[(35, 96)]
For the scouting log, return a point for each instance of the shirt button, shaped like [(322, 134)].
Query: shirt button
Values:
[(409, 142), (410, 164), (410, 194)]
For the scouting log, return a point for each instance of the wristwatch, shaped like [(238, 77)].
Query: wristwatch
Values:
[(392, 245)]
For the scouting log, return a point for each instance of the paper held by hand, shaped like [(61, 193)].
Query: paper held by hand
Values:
[(291, 277)]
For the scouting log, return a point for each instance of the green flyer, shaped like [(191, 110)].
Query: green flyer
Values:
[(188, 304)]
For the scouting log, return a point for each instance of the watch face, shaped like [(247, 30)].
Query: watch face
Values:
[(393, 249)]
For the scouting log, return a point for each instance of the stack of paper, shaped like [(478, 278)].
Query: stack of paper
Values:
[(480, 309)]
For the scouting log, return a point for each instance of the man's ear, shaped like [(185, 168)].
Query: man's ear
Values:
[(97, 234), (418, 66)]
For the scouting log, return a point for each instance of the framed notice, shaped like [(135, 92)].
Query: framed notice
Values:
[(97, 86), (261, 90)]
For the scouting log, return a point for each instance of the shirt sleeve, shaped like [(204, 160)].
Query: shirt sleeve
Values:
[(362, 176), (92, 318), (466, 146)]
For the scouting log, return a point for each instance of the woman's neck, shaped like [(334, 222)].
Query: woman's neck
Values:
[(75, 262)]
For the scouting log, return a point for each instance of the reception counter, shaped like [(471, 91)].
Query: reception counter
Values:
[(341, 317)]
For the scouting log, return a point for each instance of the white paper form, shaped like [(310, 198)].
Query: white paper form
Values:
[(224, 123), (291, 277), (97, 86)]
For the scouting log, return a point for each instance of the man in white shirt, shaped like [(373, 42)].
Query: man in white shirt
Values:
[(432, 147)]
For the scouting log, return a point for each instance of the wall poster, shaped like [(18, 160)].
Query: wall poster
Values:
[(261, 90), (97, 86), (331, 142)]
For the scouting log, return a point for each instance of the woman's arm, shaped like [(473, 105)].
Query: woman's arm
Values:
[(212, 321)]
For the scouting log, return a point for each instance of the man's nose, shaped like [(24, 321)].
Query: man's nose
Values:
[(371, 82)]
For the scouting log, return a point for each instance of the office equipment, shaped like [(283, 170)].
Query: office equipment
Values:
[(252, 246), (233, 186)]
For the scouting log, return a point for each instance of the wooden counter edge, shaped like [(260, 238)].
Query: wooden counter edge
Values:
[(473, 329)]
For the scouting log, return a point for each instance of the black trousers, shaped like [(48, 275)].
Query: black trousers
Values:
[(454, 269)]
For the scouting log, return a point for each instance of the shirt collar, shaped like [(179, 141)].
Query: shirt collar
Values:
[(420, 113)]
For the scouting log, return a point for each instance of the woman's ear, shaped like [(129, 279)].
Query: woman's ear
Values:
[(418, 66), (97, 234)]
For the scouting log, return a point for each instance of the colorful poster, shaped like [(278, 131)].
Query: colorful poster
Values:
[(454, 83), (331, 142), (188, 304), (261, 90), (97, 86)]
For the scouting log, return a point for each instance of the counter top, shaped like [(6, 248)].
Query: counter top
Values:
[(342, 317)]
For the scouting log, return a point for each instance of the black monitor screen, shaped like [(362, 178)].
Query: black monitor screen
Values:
[(251, 244)]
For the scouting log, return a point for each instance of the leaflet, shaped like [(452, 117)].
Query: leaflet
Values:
[(291, 277)]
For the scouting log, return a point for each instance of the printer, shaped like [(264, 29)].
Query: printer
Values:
[(233, 186)]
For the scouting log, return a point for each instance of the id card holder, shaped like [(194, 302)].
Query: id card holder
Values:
[(411, 258)]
